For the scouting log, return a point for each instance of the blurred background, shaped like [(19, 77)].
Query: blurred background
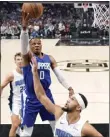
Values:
[(70, 22)]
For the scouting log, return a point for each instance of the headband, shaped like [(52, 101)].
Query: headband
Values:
[(79, 100)]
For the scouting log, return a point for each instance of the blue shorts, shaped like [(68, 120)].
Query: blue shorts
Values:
[(30, 109), (31, 106)]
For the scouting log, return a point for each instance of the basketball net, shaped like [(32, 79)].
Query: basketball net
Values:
[(101, 16)]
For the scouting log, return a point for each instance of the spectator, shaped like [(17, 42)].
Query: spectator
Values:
[(61, 28), (58, 21)]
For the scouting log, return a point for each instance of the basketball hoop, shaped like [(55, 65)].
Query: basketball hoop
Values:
[(101, 16)]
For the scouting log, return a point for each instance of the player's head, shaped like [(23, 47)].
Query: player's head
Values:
[(35, 45), (76, 102), (18, 59)]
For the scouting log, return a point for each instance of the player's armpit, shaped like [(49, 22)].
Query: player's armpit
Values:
[(52, 108), (89, 130)]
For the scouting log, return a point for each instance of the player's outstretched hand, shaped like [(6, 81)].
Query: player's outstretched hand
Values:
[(25, 19), (34, 65)]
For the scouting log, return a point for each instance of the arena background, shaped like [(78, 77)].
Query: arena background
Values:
[(76, 43)]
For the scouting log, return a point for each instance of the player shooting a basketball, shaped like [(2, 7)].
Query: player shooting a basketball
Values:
[(45, 62), (70, 123)]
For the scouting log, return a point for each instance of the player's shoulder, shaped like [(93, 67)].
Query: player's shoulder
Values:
[(51, 57), (85, 128), (10, 74), (89, 130)]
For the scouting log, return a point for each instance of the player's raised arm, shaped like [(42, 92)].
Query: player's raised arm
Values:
[(60, 77), (9, 77), (24, 38), (40, 93)]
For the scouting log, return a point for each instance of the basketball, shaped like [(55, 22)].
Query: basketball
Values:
[(34, 9)]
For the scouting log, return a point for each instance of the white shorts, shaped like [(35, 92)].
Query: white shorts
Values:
[(16, 109)]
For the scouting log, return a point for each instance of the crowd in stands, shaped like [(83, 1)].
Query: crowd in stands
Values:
[(58, 20)]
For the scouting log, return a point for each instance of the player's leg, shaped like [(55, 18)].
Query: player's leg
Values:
[(15, 125), (45, 115), (15, 118), (28, 117), (27, 124), (26, 131), (27, 121)]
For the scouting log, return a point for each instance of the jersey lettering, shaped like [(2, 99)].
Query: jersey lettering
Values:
[(45, 66), (41, 74), (61, 133), (19, 82), (22, 88)]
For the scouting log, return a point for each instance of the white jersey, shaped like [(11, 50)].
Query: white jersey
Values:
[(17, 86), (65, 130)]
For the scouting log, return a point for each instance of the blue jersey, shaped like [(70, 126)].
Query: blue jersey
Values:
[(31, 106), (44, 65)]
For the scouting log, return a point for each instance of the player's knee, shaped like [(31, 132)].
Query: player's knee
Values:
[(15, 125)]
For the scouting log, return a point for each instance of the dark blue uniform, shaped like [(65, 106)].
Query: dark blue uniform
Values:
[(31, 106)]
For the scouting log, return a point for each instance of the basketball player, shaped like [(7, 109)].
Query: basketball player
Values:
[(32, 105), (70, 123), (15, 79)]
